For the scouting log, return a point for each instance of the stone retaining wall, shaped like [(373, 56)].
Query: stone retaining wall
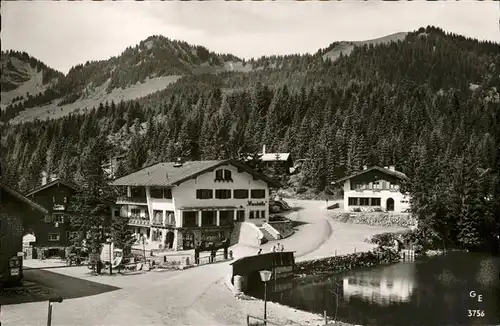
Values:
[(384, 219), (347, 262)]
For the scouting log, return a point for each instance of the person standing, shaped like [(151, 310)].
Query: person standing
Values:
[(282, 248)]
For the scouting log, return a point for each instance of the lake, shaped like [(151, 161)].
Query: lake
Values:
[(455, 289)]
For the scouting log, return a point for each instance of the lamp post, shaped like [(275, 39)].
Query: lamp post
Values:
[(265, 276), (49, 315)]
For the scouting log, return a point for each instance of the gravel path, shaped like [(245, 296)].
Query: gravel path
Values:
[(197, 296)]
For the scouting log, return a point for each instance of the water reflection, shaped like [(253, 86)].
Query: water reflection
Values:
[(434, 291), (393, 284)]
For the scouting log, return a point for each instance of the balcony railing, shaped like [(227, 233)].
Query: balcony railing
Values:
[(58, 207), (131, 200), (140, 222)]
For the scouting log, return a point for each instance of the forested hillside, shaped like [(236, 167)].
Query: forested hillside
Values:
[(428, 104), (23, 77)]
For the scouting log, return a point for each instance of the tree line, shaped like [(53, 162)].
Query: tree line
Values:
[(426, 105)]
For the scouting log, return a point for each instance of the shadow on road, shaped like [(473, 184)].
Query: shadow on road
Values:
[(40, 285), (298, 223)]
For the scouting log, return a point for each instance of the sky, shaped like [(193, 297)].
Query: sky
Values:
[(62, 34)]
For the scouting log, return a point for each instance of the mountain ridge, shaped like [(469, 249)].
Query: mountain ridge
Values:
[(155, 64)]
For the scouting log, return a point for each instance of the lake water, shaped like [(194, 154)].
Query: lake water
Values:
[(431, 291)]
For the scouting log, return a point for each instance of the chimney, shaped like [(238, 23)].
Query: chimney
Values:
[(365, 167), (44, 178), (392, 167), (263, 149)]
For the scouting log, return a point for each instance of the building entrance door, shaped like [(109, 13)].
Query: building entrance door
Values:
[(169, 240), (390, 204)]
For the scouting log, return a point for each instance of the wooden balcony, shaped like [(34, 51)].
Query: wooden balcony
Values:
[(124, 200), (138, 222)]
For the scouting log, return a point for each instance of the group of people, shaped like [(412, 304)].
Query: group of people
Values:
[(276, 248)]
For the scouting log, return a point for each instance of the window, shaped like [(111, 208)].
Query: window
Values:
[(223, 175), (208, 218), (240, 216), (116, 213), (156, 192), (226, 217), (170, 218), (161, 193), (223, 193), (258, 193), (364, 201), (240, 193), (257, 214), (189, 219), (353, 201), (375, 201), (57, 218), (54, 236), (156, 236), (65, 200), (48, 218), (158, 217), (53, 199), (204, 193), (376, 185)]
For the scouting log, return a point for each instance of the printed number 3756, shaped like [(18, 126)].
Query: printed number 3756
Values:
[(476, 313)]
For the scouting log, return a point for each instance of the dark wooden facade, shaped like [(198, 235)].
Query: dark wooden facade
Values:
[(52, 230), (16, 211)]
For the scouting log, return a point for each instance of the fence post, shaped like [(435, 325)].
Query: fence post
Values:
[(248, 320)]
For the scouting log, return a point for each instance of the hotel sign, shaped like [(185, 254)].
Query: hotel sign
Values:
[(256, 203), (58, 207)]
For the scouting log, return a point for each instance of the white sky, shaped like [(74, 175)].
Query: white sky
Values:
[(63, 34)]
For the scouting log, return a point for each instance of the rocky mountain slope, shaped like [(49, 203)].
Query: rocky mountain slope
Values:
[(151, 66), (23, 76)]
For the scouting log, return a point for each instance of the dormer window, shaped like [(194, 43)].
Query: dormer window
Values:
[(223, 175)]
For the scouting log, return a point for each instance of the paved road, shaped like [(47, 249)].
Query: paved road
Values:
[(192, 297)]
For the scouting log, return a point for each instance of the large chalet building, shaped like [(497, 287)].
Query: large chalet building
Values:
[(178, 204), (375, 188), (52, 232)]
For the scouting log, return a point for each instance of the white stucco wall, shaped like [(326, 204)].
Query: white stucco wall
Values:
[(401, 201), (185, 194)]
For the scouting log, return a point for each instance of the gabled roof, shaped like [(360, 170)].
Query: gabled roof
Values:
[(396, 174), (168, 175), (50, 184), (271, 157), (22, 198)]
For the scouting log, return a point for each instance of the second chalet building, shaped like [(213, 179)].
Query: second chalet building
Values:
[(175, 205)]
